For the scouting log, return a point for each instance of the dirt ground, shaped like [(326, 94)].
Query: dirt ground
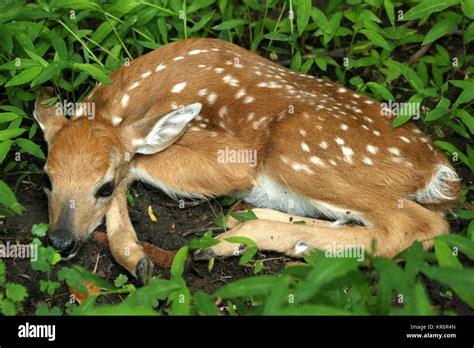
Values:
[(175, 227)]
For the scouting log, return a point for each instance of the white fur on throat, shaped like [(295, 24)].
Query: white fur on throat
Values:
[(267, 193), (438, 189)]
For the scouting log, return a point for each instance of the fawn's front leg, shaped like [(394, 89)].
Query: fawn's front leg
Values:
[(123, 241)]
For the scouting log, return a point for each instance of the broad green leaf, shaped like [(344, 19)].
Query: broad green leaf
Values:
[(11, 133), (442, 28), (204, 303), (247, 287), (5, 147), (465, 245), (303, 11), (381, 90), (94, 71), (30, 147), (427, 7), (388, 5), (467, 7), (230, 24), (24, 77), (7, 117), (453, 150), (328, 270), (49, 72), (376, 38), (15, 292), (177, 267)]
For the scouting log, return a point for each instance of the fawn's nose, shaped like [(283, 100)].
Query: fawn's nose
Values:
[(62, 241)]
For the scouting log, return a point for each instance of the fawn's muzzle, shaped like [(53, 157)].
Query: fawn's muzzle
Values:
[(62, 240)]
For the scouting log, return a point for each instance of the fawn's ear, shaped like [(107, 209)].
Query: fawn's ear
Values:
[(154, 134), (49, 118)]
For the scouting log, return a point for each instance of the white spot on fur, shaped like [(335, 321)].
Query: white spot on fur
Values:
[(339, 141), (178, 58), (248, 99), (134, 85), (368, 161), (160, 67), (372, 149), (146, 74), (211, 98), (405, 139), (116, 120), (323, 145), (202, 92), (222, 111), (125, 99), (344, 127), (305, 147), (394, 151), (178, 87), (218, 70)]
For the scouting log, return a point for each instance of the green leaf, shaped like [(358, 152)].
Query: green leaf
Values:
[(376, 38), (381, 90), (453, 150), (204, 303), (427, 7), (15, 292), (94, 71), (445, 255), (24, 77), (181, 302), (177, 267), (325, 272), (461, 280), (4, 149), (388, 4), (469, 33), (93, 278), (248, 255), (8, 199), (244, 216), (247, 287), (467, 7), (400, 120), (465, 245), (303, 10), (230, 24), (49, 72), (120, 281), (241, 240), (467, 119), (30, 147), (7, 117), (11, 133), (43, 309), (40, 230), (413, 79), (442, 28)]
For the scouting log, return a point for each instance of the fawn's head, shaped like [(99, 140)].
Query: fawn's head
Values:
[(88, 162)]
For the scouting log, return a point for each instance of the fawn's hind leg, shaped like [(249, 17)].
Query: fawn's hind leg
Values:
[(123, 241), (393, 229)]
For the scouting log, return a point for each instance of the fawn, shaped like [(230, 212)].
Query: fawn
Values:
[(324, 155)]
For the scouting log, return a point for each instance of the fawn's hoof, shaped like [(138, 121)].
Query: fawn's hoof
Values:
[(144, 270)]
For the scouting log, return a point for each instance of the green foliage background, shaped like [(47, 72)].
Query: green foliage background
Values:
[(417, 51)]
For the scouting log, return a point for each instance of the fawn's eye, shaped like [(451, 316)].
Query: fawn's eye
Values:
[(46, 181), (105, 190)]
